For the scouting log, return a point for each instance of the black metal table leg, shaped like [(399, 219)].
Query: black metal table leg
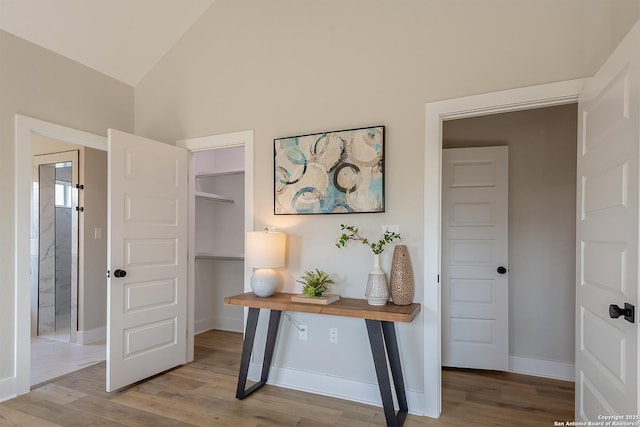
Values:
[(389, 332), (270, 346), (380, 341), (247, 349)]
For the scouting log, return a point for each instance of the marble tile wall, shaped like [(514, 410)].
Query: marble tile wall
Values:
[(47, 252), (63, 270)]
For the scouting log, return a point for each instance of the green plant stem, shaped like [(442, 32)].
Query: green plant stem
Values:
[(353, 234)]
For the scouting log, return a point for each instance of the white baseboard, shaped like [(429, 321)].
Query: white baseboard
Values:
[(7, 389), (219, 323), (92, 335), (542, 368), (341, 388)]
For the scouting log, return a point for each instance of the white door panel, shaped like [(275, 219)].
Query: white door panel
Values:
[(147, 309), (472, 213), (607, 235), (474, 244)]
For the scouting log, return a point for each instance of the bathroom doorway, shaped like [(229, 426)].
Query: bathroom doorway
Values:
[(54, 247), (67, 317)]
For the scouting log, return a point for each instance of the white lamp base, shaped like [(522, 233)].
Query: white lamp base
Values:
[(264, 282)]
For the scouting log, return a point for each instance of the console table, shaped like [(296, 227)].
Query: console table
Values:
[(380, 327)]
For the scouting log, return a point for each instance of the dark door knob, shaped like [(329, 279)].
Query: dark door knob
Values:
[(120, 273), (501, 270), (628, 312)]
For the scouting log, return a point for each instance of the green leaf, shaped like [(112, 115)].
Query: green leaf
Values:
[(376, 247)]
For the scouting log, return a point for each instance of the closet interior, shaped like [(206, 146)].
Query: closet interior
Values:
[(219, 237)]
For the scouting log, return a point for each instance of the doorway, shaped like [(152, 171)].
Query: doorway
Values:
[(67, 317), (41, 359), (54, 257), (436, 113), (542, 171), (233, 163), (219, 240)]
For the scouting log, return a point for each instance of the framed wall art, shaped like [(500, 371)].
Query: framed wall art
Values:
[(330, 173)]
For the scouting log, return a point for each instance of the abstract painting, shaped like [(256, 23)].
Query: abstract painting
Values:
[(330, 173)]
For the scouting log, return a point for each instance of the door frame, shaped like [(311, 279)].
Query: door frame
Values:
[(25, 127), (205, 143), (545, 95)]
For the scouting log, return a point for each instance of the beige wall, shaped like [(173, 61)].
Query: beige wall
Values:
[(94, 293), (542, 202), (38, 83), (292, 67), (623, 14)]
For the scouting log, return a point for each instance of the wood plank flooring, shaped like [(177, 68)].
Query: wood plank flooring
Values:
[(203, 394)]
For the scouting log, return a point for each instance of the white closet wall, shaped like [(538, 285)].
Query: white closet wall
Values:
[(219, 240)]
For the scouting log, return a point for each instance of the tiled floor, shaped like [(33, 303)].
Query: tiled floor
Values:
[(51, 358)]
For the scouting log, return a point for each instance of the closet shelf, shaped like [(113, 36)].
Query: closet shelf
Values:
[(215, 197), (216, 174), (220, 257)]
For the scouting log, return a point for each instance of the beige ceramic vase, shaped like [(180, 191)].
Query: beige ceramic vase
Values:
[(401, 278)]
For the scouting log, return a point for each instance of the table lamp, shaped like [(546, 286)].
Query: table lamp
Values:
[(264, 251)]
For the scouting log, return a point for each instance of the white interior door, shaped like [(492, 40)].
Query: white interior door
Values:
[(147, 307), (607, 236), (475, 293)]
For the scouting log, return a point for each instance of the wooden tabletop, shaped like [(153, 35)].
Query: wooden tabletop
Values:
[(347, 307)]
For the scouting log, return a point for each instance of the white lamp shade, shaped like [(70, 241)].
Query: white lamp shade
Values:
[(265, 250)]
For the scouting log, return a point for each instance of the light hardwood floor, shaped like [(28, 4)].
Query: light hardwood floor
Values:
[(202, 394)]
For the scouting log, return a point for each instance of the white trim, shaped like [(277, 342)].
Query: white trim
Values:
[(92, 335), (542, 368), (7, 389), (221, 323), (341, 388), (435, 113), (235, 139), (25, 127), (59, 132)]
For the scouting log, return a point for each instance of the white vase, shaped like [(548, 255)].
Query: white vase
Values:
[(377, 291)]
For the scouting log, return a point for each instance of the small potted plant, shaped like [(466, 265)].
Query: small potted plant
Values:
[(315, 283)]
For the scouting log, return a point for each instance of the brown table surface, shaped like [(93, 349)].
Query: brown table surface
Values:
[(346, 307)]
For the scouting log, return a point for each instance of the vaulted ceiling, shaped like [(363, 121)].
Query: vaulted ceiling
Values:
[(123, 39)]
